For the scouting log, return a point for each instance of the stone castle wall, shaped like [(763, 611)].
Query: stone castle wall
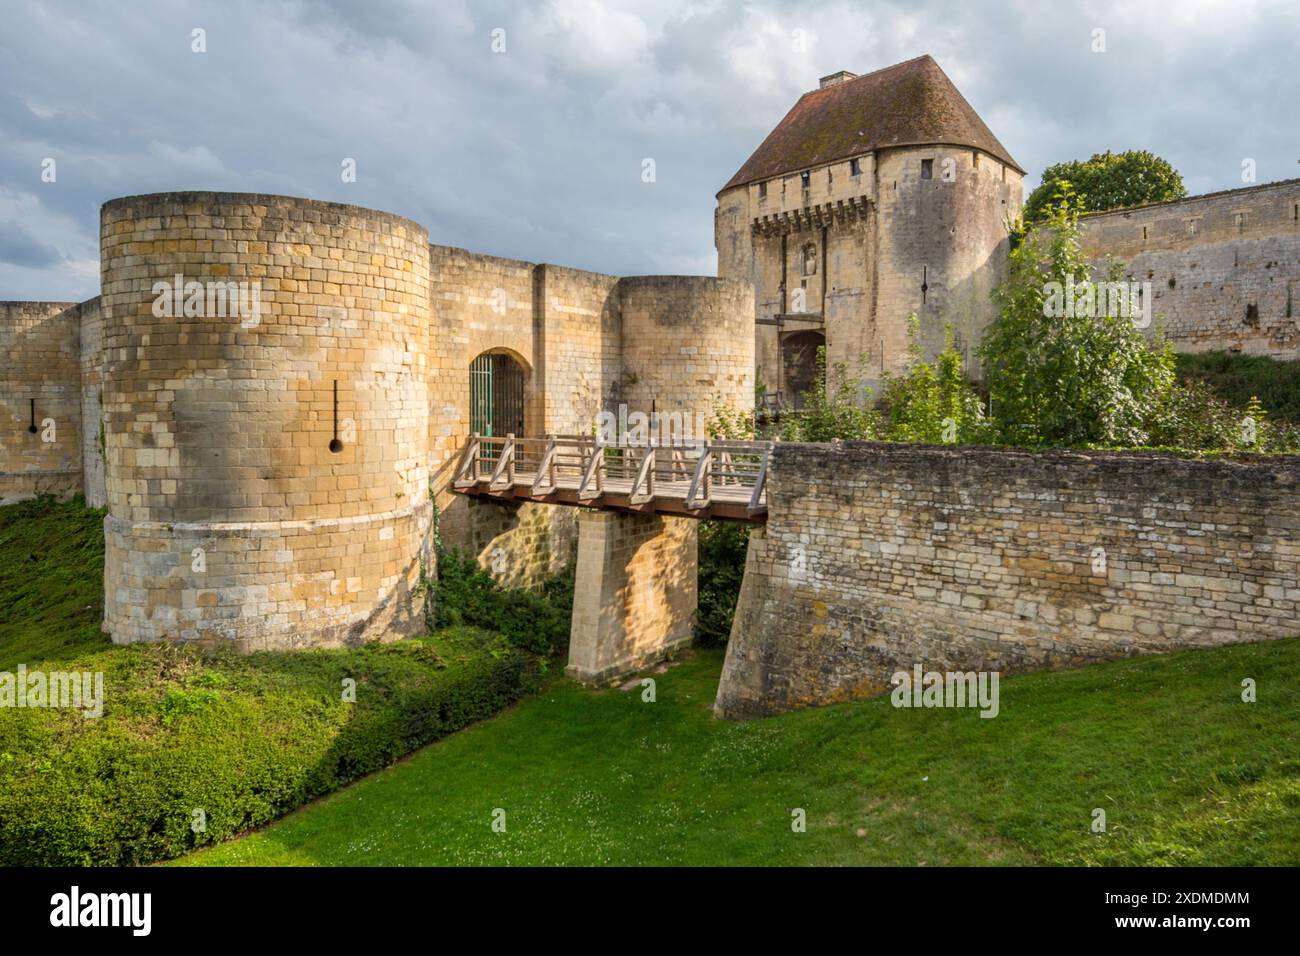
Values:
[(941, 249), (92, 404), (878, 557), (562, 326), (587, 343), (210, 433), (1224, 268), (687, 345), (480, 303), (41, 361), (232, 515)]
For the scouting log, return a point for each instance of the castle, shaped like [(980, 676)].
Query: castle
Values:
[(876, 196), (267, 470), (885, 195), (268, 389)]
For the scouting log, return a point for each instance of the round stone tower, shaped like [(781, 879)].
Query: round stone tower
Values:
[(266, 413)]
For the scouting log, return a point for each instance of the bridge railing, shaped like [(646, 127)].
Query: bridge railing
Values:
[(695, 473)]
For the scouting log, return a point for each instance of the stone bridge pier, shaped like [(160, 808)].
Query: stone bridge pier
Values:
[(635, 592), (637, 564)]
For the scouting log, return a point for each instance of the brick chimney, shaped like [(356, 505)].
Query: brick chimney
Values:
[(835, 79)]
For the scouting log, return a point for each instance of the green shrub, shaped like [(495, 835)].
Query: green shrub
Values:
[(722, 549), (240, 739), (1193, 418), (536, 620), (1236, 378), (932, 402), (836, 406), (1072, 379)]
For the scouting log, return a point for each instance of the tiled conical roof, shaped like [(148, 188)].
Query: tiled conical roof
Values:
[(908, 104)]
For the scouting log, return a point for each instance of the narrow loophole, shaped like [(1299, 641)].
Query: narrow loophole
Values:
[(336, 446), (32, 427)]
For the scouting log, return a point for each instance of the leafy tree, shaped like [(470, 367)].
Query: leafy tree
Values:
[(729, 422), (1080, 380), (1107, 181), (836, 406), (932, 402)]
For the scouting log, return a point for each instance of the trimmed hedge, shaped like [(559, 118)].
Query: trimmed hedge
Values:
[(241, 739)]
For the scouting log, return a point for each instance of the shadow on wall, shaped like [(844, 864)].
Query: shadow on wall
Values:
[(519, 543)]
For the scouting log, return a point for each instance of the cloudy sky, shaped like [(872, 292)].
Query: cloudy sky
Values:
[(536, 152)]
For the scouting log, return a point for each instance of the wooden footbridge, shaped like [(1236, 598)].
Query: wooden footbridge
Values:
[(707, 479)]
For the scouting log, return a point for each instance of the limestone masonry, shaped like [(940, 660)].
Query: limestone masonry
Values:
[(1224, 269), (268, 389), (269, 396), (878, 557), (884, 195)]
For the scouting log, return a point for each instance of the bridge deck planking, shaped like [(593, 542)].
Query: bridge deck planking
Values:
[(559, 470)]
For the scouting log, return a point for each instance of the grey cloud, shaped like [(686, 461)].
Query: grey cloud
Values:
[(536, 153), (18, 247)]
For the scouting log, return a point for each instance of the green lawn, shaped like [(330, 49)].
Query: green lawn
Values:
[(1186, 772), (236, 740)]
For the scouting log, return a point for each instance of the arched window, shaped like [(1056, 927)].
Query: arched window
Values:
[(496, 395)]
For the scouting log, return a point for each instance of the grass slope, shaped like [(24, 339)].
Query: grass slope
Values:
[(1186, 772), (51, 581), (241, 738)]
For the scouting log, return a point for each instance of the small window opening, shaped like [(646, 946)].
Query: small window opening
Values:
[(925, 282), (1144, 233), (805, 178), (927, 169), (855, 167), (975, 158), (1004, 174), (762, 190), (1252, 314)]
